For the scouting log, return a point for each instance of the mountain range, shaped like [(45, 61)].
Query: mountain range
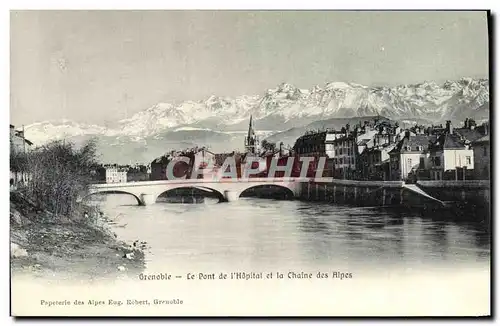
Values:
[(280, 114)]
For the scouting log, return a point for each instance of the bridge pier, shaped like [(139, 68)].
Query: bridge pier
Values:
[(147, 199), (230, 196)]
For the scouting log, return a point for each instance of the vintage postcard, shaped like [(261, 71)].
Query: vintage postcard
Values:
[(250, 163)]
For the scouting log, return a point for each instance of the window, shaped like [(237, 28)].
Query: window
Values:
[(340, 151), (336, 152), (422, 163), (467, 160), (409, 165)]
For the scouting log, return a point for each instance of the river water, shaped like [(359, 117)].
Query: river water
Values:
[(257, 234), (395, 263)]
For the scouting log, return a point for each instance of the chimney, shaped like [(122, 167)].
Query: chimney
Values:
[(466, 123), (449, 127)]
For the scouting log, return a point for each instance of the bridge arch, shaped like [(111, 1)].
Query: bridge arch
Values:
[(217, 194), (270, 191), (98, 192)]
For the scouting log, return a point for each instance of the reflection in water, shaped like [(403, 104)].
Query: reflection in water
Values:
[(189, 195), (268, 192), (271, 233), (314, 224)]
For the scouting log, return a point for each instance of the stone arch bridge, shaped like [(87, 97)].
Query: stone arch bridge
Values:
[(147, 192)]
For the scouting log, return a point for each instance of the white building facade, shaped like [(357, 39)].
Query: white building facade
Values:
[(115, 174)]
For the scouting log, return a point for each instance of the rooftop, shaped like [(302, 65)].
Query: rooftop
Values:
[(413, 144), (449, 141), (469, 134), (484, 139)]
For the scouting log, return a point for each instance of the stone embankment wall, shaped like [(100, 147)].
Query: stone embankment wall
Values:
[(353, 192), (393, 193)]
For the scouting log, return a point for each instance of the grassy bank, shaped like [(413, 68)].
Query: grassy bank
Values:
[(77, 247), (52, 233)]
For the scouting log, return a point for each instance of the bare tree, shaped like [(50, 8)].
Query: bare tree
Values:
[(268, 145), (59, 173)]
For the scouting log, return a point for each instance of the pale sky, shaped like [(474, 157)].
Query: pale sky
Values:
[(102, 66)]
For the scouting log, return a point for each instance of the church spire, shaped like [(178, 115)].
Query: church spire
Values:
[(251, 141), (251, 132)]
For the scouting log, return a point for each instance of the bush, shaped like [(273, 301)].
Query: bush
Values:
[(18, 161), (59, 173)]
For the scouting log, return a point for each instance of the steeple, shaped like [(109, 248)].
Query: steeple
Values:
[(251, 132), (251, 141)]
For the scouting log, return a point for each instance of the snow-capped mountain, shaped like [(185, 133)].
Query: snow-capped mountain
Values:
[(285, 107), (43, 132), (165, 116)]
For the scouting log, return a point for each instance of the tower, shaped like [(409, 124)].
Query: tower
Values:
[(251, 140)]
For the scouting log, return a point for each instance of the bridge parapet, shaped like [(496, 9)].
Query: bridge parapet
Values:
[(208, 181)]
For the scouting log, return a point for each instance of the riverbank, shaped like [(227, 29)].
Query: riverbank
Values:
[(80, 248)]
